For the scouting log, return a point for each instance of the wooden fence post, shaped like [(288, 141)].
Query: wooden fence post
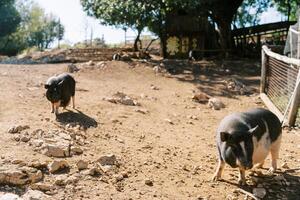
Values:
[(263, 71), (295, 103)]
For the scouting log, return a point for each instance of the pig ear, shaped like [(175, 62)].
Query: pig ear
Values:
[(255, 130), (224, 136)]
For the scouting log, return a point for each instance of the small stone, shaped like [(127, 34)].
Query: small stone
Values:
[(9, 196), (59, 149), (215, 104), (36, 143), (119, 177), (81, 165), (153, 87), (149, 182), (76, 150), (42, 187), (60, 180), (157, 69), (72, 179), (35, 194), (25, 138), (56, 166), (17, 138), (17, 129), (125, 174), (169, 121), (201, 98), (259, 192), (71, 68), (285, 165), (107, 159), (95, 171), (143, 111), (90, 63)]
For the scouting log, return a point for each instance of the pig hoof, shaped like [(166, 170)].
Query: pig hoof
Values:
[(216, 178), (242, 182), (271, 171)]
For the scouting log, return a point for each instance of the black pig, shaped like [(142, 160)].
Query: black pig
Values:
[(246, 139), (60, 89)]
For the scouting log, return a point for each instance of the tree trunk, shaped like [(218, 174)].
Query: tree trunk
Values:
[(137, 39), (224, 27)]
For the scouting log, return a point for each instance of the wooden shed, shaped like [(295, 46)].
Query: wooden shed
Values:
[(188, 30)]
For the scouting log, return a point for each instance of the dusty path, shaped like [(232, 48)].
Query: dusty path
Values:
[(178, 157)]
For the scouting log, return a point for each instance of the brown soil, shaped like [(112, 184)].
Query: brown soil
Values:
[(178, 157)]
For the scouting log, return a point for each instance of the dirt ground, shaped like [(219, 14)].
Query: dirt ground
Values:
[(171, 147)]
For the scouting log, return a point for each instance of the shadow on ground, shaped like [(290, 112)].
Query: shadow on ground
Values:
[(78, 118), (283, 185), (209, 75)]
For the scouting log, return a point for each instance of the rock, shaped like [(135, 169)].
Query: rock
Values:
[(143, 111), (157, 69), (13, 175), (35, 195), (107, 160), (76, 150), (56, 166), (90, 63), (153, 87), (36, 143), (9, 196), (215, 104), (17, 129), (201, 98), (94, 171), (34, 174), (25, 138), (285, 165), (42, 187), (101, 65), (119, 177), (122, 98), (237, 87), (149, 182), (124, 174), (81, 164), (71, 180), (60, 180), (59, 150), (259, 192), (279, 178), (71, 68), (169, 121)]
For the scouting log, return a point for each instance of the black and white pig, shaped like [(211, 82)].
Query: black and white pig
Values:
[(60, 89), (245, 139)]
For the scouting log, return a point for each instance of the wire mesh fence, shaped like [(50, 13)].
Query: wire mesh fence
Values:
[(281, 79)]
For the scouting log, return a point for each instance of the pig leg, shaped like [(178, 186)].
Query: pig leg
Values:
[(56, 106), (242, 179), (73, 102), (275, 146), (52, 107), (220, 168)]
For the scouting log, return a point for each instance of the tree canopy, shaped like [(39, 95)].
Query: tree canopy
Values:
[(9, 17), (36, 29)]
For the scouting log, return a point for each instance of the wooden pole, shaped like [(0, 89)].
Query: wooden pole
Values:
[(263, 71), (295, 103)]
